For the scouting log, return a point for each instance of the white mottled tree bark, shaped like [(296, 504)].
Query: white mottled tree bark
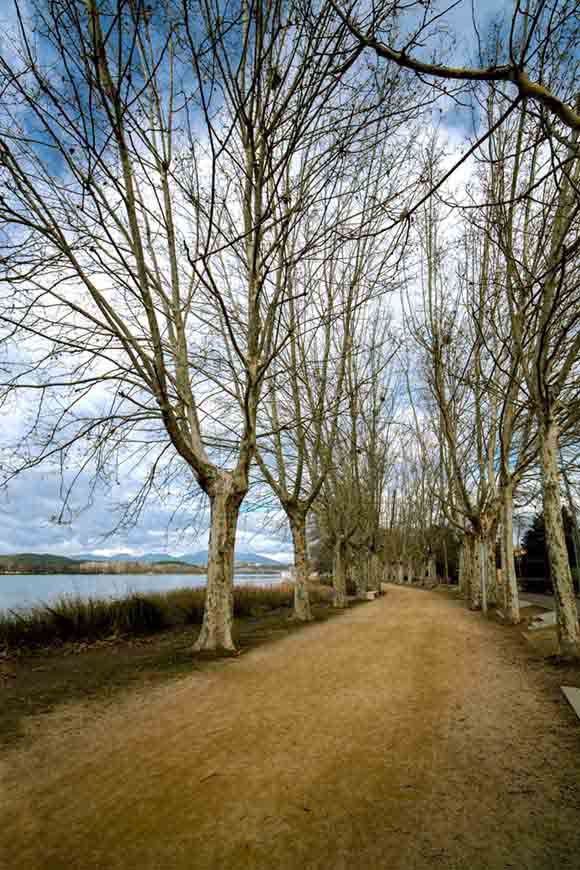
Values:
[(473, 558), (302, 610), (566, 609), (216, 629), (481, 552), (339, 575), (463, 568), (361, 578), (374, 572), (490, 569), (511, 599)]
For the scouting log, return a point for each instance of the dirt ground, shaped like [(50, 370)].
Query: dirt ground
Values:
[(33, 683), (408, 733)]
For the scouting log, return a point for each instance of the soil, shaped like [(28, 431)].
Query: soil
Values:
[(406, 733), (36, 682)]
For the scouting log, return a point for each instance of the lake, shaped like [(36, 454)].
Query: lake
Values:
[(24, 590)]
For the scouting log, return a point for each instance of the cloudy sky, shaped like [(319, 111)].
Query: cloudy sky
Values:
[(30, 507), (30, 522)]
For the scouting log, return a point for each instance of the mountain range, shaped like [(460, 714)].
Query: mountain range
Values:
[(198, 558)]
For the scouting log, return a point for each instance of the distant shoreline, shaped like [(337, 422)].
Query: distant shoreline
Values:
[(195, 571)]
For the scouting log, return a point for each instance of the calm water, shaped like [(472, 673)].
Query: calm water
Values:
[(23, 590)]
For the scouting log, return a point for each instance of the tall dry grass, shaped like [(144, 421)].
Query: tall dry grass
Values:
[(72, 618)]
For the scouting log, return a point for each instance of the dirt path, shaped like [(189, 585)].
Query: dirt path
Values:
[(406, 734)]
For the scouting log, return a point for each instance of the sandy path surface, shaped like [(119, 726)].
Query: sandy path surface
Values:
[(405, 734)]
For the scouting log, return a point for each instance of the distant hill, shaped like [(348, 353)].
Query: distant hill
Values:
[(47, 563), (198, 558), (33, 562), (127, 557), (242, 556)]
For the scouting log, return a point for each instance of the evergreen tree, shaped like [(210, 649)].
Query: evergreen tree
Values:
[(536, 562)]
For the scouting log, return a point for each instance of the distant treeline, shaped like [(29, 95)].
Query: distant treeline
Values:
[(45, 563)]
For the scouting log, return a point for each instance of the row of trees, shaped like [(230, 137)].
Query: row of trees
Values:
[(204, 206), (497, 334)]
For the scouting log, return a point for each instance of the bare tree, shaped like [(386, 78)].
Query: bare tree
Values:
[(462, 414), (328, 327), (350, 508), (537, 226), (154, 163)]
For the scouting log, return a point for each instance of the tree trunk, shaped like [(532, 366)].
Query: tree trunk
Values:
[(511, 598), (566, 610), (490, 569), (302, 611), (400, 576), (339, 576), (463, 568), (361, 582), (375, 572), (482, 552), (446, 563), (473, 558), (216, 630)]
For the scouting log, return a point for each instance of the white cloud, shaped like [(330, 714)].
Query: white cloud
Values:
[(31, 502)]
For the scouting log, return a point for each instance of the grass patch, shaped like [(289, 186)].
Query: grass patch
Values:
[(71, 618)]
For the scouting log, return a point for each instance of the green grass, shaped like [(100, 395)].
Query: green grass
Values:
[(71, 618)]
